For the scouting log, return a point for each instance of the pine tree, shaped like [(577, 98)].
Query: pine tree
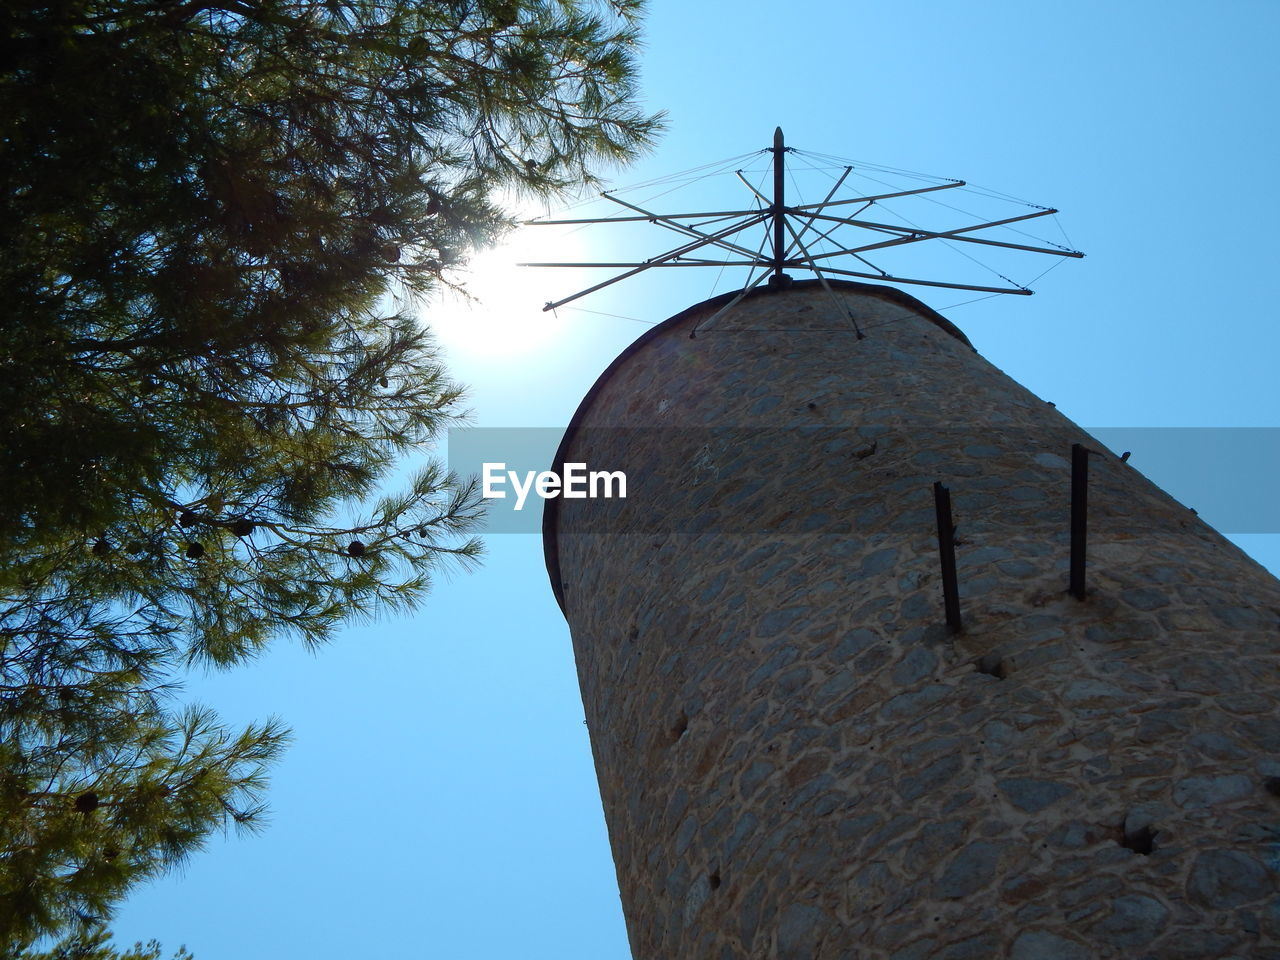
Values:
[(216, 216), (98, 946)]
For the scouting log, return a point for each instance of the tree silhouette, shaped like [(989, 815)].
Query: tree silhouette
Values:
[(216, 215)]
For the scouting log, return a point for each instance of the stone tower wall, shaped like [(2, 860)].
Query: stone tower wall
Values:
[(797, 760)]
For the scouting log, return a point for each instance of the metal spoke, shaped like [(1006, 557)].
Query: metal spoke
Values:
[(686, 229), (731, 304), (670, 216), (883, 196), (671, 255), (747, 183), (619, 265), (840, 304), (914, 235), (751, 285), (830, 193), (1022, 291)]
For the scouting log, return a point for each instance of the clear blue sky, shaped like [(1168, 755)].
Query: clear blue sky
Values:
[(439, 800)]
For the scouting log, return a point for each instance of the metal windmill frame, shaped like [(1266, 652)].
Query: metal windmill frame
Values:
[(786, 229)]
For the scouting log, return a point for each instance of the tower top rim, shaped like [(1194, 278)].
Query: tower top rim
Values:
[(550, 508)]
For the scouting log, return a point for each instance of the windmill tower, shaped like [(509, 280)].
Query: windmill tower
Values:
[(883, 657)]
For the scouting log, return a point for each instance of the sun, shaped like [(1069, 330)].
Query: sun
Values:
[(501, 318)]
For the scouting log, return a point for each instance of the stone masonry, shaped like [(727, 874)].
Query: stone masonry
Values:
[(799, 761)]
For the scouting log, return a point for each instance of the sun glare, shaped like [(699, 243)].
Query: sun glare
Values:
[(503, 317)]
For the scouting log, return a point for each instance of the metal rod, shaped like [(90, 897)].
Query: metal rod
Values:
[(881, 196), (751, 285), (645, 263), (1021, 291), (822, 235), (779, 207), (920, 239), (699, 224), (1079, 517), (669, 216), (747, 183), (840, 304), (728, 306), (947, 556), (869, 264), (686, 229), (658, 261), (702, 262), (809, 223), (1056, 251), (915, 233)]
